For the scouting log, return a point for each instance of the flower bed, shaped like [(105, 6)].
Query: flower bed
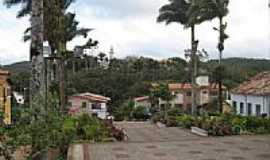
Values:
[(226, 124)]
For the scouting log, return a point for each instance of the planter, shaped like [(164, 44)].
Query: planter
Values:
[(199, 131), (160, 125)]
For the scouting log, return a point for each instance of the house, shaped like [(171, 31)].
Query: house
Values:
[(206, 92), (5, 96), (142, 101), (89, 103), (252, 98)]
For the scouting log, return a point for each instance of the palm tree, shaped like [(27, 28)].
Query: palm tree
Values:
[(221, 10), (217, 9), (36, 52), (59, 28), (185, 12)]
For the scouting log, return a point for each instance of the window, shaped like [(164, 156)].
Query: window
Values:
[(235, 106), (241, 108), (249, 109), (205, 92), (189, 94), (84, 104), (178, 106), (258, 110), (96, 106)]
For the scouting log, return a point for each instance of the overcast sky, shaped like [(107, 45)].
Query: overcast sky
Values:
[(131, 28)]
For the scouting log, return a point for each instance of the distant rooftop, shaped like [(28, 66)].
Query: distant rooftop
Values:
[(91, 97), (4, 72)]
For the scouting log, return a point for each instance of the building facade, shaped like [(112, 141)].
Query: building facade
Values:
[(5, 97), (252, 98), (89, 103), (206, 92)]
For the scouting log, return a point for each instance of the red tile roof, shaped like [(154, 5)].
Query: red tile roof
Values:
[(258, 85), (179, 86), (141, 98), (91, 97), (4, 72), (188, 86)]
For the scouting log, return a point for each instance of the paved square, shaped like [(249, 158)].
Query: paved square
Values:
[(148, 142)]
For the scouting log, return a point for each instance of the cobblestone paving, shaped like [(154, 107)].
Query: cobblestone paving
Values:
[(148, 142)]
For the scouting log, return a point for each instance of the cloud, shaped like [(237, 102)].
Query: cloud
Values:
[(12, 47), (130, 26)]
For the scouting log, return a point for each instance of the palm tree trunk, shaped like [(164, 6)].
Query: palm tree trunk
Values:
[(194, 70), (36, 52), (221, 44)]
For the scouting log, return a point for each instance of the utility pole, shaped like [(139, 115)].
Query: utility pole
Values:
[(192, 54)]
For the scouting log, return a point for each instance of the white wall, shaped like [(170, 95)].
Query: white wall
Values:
[(202, 80), (263, 101)]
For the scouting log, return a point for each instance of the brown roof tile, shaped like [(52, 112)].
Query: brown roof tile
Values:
[(258, 85)]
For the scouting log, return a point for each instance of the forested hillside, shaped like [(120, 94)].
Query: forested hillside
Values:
[(132, 76)]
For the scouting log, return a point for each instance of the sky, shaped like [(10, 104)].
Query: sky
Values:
[(130, 28)]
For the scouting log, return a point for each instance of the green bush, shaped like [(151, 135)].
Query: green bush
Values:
[(140, 113), (158, 117), (226, 124), (185, 121)]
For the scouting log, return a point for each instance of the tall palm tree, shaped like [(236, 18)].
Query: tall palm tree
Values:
[(59, 28), (221, 10), (217, 9), (36, 51), (185, 12)]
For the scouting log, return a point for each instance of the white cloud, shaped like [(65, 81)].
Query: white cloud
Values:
[(12, 47)]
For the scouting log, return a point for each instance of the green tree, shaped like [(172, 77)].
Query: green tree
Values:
[(186, 13), (162, 92), (36, 51), (216, 9)]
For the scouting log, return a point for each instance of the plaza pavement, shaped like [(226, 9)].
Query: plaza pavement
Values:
[(148, 142)]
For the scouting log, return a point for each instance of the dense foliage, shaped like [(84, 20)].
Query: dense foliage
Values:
[(226, 124), (45, 130), (137, 74)]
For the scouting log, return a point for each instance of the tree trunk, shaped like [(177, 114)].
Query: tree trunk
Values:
[(194, 71), (36, 51), (73, 65), (220, 47), (62, 84)]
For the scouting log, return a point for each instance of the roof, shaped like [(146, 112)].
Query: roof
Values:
[(179, 86), (143, 98), (4, 72), (91, 97), (187, 86), (258, 85)]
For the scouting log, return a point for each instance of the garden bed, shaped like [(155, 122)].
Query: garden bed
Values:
[(226, 124)]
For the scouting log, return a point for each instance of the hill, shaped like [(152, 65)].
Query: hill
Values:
[(19, 67)]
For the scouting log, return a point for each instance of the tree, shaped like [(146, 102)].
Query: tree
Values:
[(162, 92), (217, 9), (221, 10), (59, 27), (36, 51), (185, 12)]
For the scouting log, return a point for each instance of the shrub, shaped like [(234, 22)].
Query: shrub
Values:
[(158, 117), (185, 121), (140, 113)]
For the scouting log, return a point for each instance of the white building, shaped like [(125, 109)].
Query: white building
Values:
[(89, 103), (252, 98), (142, 101)]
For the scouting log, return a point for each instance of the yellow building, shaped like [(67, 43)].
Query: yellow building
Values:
[(5, 96)]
